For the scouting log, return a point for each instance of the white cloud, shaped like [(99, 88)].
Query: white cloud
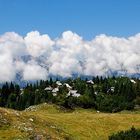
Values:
[(67, 55), (33, 71), (7, 70), (69, 39), (65, 66), (12, 43), (38, 44)]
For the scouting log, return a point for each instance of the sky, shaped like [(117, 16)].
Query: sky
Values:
[(87, 18), (39, 38)]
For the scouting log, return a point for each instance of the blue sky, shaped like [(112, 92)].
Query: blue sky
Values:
[(88, 18)]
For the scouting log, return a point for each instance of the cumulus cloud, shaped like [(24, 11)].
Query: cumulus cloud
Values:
[(38, 44), (37, 56), (13, 44), (33, 71), (7, 70)]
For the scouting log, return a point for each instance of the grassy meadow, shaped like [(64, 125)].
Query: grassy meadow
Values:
[(47, 121)]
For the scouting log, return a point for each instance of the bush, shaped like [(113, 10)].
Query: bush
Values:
[(132, 134)]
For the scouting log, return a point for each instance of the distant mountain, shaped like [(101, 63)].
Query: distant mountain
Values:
[(42, 61)]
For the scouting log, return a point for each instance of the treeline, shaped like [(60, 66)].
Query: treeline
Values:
[(9, 95), (103, 94)]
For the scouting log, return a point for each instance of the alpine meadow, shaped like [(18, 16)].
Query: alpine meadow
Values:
[(69, 70)]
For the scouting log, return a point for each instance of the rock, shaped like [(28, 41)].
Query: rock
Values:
[(31, 120), (31, 108), (16, 113), (39, 137), (53, 126), (27, 129)]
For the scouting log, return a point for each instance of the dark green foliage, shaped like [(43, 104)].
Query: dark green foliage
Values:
[(106, 94), (11, 103), (137, 101), (51, 81), (112, 103), (80, 85), (70, 102), (132, 134), (86, 101)]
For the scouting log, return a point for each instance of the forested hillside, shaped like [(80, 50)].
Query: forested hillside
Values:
[(103, 94)]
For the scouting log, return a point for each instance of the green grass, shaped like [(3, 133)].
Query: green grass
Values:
[(50, 120)]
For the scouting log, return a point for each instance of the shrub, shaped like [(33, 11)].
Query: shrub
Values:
[(132, 134)]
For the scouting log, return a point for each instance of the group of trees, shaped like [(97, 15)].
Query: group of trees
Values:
[(9, 95), (106, 94)]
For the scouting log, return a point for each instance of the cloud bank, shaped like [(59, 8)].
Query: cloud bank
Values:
[(37, 56)]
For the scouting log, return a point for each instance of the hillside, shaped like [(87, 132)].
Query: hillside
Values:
[(112, 94), (47, 121)]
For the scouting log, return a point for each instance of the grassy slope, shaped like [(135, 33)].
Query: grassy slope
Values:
[(50, 121)]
